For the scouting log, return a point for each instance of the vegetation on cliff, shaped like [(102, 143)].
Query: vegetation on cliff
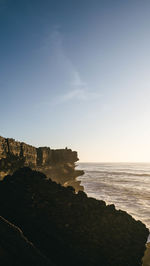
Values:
[(68, 228)]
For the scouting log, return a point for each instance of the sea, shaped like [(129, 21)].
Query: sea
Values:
[(126, 185)]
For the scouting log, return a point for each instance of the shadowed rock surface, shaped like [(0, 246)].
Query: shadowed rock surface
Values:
[(16, 250), (59, 165), (70, 229)]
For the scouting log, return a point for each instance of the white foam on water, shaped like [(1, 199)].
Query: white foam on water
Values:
[(127, 185)]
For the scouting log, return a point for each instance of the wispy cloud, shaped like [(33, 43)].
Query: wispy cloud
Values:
[(74, 88), (76, 94), (77, 89)]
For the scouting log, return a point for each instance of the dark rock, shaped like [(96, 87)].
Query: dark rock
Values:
[(68, 228), (16, 250)]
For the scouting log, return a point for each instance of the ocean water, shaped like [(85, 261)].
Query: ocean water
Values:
[(127, 185)]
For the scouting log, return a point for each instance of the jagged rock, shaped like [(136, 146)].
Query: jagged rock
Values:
[(16, 250), (70, 229), (59, 165), (3, 148)]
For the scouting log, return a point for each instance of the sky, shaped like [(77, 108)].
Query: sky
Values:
[(76, 74)]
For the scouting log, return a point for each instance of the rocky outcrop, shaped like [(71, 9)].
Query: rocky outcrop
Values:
[(59, 164), (67, 227), (15, 249)]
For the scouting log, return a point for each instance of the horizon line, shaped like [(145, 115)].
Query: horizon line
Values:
[(113, 162)]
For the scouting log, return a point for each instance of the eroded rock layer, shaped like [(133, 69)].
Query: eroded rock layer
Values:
[(59, 164)]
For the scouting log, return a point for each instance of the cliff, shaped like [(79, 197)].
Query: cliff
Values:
[(69, 228), (59, 164)]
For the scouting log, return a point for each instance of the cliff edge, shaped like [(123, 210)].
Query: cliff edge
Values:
[(59, 164)]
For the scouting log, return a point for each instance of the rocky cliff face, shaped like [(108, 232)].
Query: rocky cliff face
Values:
[(59, 165)]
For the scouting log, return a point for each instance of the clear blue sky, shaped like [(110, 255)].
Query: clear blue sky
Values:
[(76, 73)]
